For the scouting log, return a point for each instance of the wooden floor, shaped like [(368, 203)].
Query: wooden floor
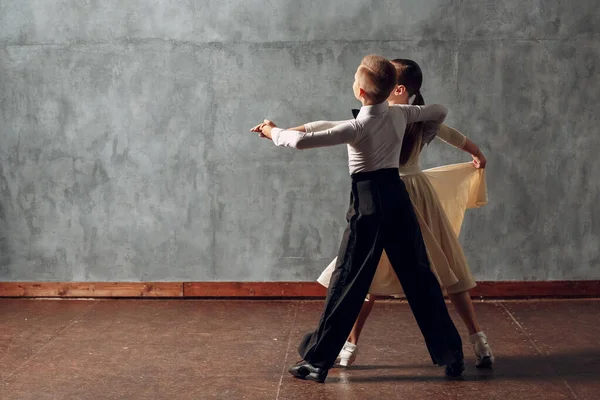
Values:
[(229, 349)]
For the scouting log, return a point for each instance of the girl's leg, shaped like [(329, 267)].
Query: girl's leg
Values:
[(349, 351), (464, 305), (362, 318)]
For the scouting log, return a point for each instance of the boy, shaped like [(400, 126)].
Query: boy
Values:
[(379, 204)]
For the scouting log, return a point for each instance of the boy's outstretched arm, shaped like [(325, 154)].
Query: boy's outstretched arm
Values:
[(301, 139), (300, 128), (317, 126)]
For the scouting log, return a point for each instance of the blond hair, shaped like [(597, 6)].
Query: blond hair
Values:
[(377, 77)]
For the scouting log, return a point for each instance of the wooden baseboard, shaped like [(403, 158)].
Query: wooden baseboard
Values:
[(523, 289), (498, 290), (91, 289), (253, 289)]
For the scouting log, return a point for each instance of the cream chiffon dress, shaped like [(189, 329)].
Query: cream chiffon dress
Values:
[(440, 197)]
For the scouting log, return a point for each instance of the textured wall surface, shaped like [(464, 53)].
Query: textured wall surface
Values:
[(125, 153)]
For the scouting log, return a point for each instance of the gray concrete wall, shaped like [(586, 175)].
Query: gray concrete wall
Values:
[(125, 153)]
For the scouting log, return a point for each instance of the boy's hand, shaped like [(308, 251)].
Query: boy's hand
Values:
[(264, 129), (479, 160)]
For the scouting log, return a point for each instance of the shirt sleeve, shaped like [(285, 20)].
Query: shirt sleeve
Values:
[(430, 131), (322, 125), (346, 132), (452, 136), (431, 112)]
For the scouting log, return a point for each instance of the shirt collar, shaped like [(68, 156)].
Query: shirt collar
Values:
[(376, 109)]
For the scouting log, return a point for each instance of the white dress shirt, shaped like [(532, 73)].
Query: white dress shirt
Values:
[(374, 138)]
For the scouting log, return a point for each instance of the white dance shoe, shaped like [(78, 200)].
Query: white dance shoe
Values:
[(483, 352), (347, 355)]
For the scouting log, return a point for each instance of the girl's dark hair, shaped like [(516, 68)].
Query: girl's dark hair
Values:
[(411, 77)]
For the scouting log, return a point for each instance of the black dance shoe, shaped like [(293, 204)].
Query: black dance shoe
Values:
[(455, 369), (304, 370)]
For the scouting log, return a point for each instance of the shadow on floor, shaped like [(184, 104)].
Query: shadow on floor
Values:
[(582, 366)]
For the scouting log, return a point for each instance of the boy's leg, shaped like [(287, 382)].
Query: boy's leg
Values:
[(406, 250), (358, 258)]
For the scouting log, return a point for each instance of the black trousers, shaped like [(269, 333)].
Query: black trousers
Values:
[(381, 216)]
